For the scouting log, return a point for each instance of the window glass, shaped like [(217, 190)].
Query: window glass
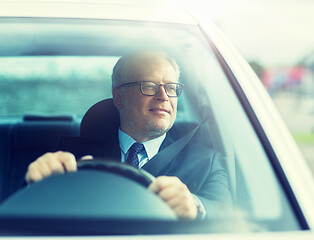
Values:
[(257, 192), (75, 73), (53, 84)]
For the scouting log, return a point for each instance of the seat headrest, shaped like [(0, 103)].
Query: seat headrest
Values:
[(101, 120)]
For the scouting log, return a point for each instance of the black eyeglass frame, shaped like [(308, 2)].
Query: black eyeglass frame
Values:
[(159, 85)]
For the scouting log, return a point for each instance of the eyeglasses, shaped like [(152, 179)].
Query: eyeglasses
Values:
[(151, 88)]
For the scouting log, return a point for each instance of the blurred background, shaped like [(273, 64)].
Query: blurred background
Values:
[(277, 38)]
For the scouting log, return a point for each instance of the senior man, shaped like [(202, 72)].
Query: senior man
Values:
[(145, 91)]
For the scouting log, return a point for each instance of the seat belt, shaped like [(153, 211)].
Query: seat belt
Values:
[(165, 156)]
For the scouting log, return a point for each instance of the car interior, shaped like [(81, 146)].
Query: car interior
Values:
[(208, 96), (19, 147), (25, 141)]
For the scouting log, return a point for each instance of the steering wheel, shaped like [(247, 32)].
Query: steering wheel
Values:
[(138, 175), (100, 189)]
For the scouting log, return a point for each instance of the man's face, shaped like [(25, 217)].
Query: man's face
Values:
[(147, 117)]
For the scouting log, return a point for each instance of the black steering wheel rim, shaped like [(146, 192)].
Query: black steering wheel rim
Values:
[(138, 175)]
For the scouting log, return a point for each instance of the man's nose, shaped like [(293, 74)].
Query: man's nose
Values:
[(161, 94)]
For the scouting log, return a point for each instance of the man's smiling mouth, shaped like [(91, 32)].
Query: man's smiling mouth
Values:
[(159, 110)]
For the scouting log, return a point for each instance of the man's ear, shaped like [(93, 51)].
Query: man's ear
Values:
[(117, 98)]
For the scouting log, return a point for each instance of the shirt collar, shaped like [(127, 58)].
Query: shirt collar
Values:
[(151, 146)]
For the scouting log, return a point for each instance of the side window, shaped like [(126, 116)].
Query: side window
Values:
[(53, 84)]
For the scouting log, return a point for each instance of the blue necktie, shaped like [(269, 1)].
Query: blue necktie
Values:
[(133, 151)]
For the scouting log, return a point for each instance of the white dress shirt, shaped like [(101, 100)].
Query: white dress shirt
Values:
[(151, 147)]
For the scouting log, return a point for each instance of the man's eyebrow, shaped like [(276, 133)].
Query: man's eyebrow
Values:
[(164, 81)]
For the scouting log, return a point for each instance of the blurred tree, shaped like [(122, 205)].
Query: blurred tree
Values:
[(258, 68), (307, 61)]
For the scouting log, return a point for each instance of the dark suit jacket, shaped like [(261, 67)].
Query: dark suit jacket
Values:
[(200, 168)]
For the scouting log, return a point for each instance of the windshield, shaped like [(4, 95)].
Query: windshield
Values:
[(62, 67)]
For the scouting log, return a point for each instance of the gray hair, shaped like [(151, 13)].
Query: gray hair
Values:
[(122, 69)]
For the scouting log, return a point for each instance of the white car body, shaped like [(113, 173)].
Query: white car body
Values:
[(276, 133)]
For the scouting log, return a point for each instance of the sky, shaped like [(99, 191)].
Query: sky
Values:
[(272, 32)]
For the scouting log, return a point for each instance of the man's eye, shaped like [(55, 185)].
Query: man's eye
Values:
[(172, 88), (149, 86)]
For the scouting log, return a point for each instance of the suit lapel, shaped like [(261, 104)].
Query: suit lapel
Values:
[(153, 163), (167, 141), (112, 147)]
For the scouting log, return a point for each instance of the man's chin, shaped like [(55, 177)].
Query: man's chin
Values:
[(159, 129)]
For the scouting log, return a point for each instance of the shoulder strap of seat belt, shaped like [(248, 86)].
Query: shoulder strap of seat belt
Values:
[(165, 156)]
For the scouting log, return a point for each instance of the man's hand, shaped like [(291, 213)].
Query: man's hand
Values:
[(176, 194), (49, 164)]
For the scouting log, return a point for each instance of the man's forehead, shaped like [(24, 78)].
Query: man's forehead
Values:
[(152, 67)]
